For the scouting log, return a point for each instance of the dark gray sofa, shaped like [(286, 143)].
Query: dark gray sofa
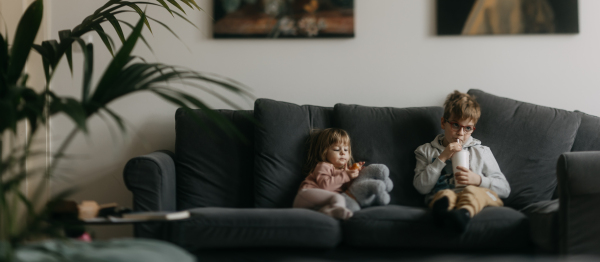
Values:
[(240, 193)]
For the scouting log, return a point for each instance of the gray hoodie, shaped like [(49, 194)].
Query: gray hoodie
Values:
[(429, 168)]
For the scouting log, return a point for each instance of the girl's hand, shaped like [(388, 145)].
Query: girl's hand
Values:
[(466, 177), (357, 166)]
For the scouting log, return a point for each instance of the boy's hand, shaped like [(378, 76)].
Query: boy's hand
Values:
[(450, 150), (466, 177)]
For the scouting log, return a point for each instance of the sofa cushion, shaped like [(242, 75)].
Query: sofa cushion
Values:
[(588, 135), (494, 228), (526, 140), (390, 136), (256, 227), (543, 225), (206, 176), (281, 148)]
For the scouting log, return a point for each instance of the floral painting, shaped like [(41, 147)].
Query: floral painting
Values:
[(490, 17), (283, 18)]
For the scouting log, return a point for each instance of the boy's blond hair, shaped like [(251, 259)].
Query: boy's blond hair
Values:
[(462, 106), (320, 141)]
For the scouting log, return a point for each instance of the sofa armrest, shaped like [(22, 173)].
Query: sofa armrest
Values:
[(151, 179), (579, 196)]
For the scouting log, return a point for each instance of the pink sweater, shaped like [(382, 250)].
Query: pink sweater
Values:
[(325, 176)]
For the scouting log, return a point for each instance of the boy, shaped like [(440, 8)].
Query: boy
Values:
[(452, 204)]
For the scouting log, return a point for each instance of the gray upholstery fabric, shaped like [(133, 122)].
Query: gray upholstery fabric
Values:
[(213, 168), (151, 179), (579, 197), (495, 228), (543, 225), (256, 227), (281, 147), (588, 134), (389, 136), (526, 140)]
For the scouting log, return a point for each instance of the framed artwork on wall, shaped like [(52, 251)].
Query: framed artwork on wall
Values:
[(493, 17), (283, 18)]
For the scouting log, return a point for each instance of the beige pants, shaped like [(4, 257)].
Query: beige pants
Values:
[(471, 198)]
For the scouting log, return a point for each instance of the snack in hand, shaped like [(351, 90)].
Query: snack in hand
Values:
[(356, 166)]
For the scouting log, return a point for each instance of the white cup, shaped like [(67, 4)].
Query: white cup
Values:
[(460, 158)]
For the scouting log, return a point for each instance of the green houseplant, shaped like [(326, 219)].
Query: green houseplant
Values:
[(125, 74)]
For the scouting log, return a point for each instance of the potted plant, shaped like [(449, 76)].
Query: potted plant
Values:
[(125, 74)]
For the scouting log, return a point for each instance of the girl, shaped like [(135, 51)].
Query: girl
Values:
[(328, 158)]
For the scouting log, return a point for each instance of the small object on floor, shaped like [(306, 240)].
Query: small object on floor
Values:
[(85, 237)]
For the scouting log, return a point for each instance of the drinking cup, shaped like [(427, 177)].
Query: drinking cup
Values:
[(460, 158)]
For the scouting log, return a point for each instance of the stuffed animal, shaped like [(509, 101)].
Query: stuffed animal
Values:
[(370, 188)]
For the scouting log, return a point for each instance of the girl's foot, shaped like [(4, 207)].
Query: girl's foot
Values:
[(337, 212)]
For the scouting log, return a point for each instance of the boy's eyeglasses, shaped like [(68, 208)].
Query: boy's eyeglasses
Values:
[(456, 127)]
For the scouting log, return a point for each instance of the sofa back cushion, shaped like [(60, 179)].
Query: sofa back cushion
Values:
[(281, 148), (588, 134), (390, 136), (526, 140), (213, 169)]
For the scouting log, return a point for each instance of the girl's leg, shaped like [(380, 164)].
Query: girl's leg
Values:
[(329, 203)]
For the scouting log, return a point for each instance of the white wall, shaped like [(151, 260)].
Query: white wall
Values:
[(395, 60)]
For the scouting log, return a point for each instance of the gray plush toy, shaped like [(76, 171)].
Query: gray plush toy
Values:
[(370, 188)]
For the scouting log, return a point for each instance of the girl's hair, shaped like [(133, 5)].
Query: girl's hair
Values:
[(461, 106), (320, 141)]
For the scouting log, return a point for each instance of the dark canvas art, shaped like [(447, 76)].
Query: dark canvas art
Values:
[(491, 17), (283, 18)]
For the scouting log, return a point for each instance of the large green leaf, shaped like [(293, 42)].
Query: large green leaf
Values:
[(71, 108), (113, 21), (173, 2), (3, 56), (88, 69), (165, 6), (141, 13), (116, 65), (66, 43), (53, 50), (24, 37), (106, 39), (45, 60)]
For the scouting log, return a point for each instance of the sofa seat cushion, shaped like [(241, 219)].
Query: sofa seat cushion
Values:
[(494, 228), (214, 227)]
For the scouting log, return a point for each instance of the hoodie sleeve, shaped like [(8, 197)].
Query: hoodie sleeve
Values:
[(492, 177), (427, 172), (326, 177)]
